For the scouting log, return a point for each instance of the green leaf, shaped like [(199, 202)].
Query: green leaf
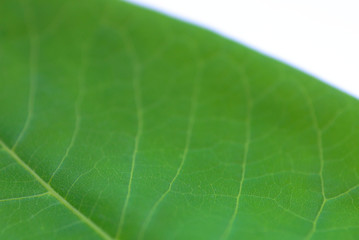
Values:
[(120, 123)]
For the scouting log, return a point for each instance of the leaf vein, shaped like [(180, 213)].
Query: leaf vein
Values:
[(191, 120), (53, 192), (139, 113), (24, 197), (321, 160), (245, 157), (78, 103), (31, 99)]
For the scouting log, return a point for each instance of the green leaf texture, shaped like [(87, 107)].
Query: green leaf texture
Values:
[(120, 123)]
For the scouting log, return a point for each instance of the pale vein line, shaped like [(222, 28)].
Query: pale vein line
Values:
[(191, 120), (7, 166), (24, 197), (28, 219), (138, 102), (77, 179), (96, 203), (31, 99), (280, 206), (321, 159), (78, 103), (53, 192), (331, 122), (244, 163), (293, 213), (344, 193)]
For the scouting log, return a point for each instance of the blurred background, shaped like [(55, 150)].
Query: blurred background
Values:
[(320, 37)]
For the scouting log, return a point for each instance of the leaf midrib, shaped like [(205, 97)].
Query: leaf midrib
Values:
[(55, 194)]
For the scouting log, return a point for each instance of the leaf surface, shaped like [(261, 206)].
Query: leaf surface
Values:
[(120, 123)]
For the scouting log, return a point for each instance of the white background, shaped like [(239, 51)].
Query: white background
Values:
[(320, 37)]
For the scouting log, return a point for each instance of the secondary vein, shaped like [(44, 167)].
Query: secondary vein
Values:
[(191, 120), (78, 103), (31, 99), (244, 163), (138, 102), (321, 161), (53, 192), (24, 197)]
